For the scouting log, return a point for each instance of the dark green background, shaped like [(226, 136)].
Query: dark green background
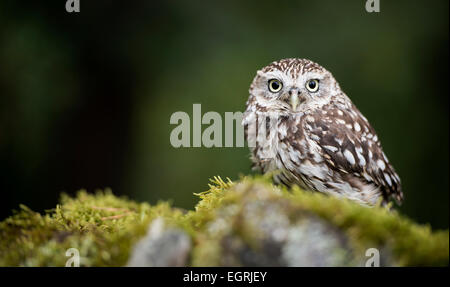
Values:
[(85, 99)]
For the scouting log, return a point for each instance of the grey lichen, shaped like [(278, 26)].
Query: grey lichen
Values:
[(161, 247), (315, 243)]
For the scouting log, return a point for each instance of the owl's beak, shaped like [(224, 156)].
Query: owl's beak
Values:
[(294, 101), (295, 98)]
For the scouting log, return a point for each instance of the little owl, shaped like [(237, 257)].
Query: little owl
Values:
[(302, 127)]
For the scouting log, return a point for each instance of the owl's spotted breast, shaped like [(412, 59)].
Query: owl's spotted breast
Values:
[(325, 144)]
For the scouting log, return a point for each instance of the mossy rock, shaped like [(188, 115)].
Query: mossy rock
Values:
[(246, 223)]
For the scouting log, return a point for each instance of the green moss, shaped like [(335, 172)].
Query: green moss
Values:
[(104, 228), (101, 226)]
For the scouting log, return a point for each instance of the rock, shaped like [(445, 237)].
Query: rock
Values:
[(261, 231), (245, 223), (161, 247)]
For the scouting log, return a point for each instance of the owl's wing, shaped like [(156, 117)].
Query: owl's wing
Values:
[(350, 146)]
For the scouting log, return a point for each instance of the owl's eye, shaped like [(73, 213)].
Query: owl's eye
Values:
[(275, 85), (312, 85)]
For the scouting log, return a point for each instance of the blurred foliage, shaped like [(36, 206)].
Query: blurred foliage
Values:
[(85, 99), (104, 228)]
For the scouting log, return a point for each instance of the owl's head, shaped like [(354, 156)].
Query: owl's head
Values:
[(293, 85)]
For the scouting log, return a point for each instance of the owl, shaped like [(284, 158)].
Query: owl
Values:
[(302, 128)]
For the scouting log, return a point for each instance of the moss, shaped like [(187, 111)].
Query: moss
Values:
[(101, 226), (248, 222)]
